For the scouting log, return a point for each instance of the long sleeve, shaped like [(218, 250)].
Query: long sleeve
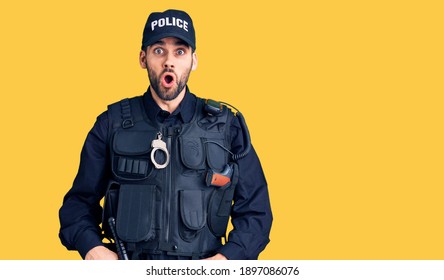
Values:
[(251, 213), (80, 214)]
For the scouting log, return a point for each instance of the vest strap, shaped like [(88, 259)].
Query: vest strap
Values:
[(127, 118)]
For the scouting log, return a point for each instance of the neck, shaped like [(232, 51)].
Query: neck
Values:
[(170, 105)]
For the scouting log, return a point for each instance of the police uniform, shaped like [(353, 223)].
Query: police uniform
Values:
[(174, 211)]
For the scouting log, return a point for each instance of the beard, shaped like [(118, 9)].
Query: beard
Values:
[(168, 94)]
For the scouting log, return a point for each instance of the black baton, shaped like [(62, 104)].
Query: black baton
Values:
[(121, 251)]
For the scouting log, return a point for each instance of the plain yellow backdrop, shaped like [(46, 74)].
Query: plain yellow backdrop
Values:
[(344, 101)]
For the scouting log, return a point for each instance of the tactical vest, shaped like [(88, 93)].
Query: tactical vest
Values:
[(172, 210)]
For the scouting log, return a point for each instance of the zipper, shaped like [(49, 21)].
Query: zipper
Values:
[(169, 181)]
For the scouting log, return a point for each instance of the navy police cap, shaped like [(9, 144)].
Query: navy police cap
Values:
[(170, 23)]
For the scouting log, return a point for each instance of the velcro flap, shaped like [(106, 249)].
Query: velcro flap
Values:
[(133, 142)]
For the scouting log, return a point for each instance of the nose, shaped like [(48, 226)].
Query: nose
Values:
[(169, 61)]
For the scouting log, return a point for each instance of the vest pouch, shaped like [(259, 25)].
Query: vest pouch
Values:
[(192, 152), (192, 213), (217, 157), (131, 154), (136, 212), (219, 208)]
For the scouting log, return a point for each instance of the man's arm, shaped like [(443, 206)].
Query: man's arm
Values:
[(251, 213), (80, 214)]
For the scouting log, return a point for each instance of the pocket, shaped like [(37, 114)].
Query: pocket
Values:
[(192, 213), (136, 212), (217, 157), (131, 160), (197, 154), (192, 152)]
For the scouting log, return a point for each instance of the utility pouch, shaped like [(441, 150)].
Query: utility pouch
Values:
[(200, 153), (219, 208), (131, 154), (192, 213), (136, 212), (192, 152), (217, 157)]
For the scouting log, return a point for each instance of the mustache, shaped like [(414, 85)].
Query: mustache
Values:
[(168, 70)]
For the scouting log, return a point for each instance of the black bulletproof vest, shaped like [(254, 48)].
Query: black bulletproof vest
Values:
[(170, 210)]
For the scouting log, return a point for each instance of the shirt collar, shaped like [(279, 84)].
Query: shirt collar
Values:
[(185, 110)]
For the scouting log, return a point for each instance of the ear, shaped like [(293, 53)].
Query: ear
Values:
[(142, 59), (194, 66)]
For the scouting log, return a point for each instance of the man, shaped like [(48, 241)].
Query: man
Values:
[(169, 165)]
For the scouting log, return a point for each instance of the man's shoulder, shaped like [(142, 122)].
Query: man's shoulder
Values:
[(125, 111), (124, 100), (103, 117), (123, 106)]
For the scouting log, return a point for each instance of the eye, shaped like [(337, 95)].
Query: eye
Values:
[(180, 52), (158, 51)]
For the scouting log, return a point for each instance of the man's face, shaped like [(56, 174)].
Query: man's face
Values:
[(169, 62)]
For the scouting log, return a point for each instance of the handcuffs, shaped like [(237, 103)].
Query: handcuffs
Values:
[(159, 144)]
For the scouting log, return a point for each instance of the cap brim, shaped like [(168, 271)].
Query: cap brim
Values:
[(154, 39)]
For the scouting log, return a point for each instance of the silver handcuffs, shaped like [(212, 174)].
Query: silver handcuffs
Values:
[(158, 144)]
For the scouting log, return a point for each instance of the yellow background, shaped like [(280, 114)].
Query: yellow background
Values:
[(344, 100)]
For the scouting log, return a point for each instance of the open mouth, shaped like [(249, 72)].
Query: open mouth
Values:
[(168, 80)]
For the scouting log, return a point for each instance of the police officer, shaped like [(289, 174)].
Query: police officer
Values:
[(171, 166)]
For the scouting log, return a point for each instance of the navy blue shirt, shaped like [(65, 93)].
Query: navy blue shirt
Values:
[(80, 214)]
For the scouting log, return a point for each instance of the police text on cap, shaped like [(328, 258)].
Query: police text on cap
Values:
[(169, 22)]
